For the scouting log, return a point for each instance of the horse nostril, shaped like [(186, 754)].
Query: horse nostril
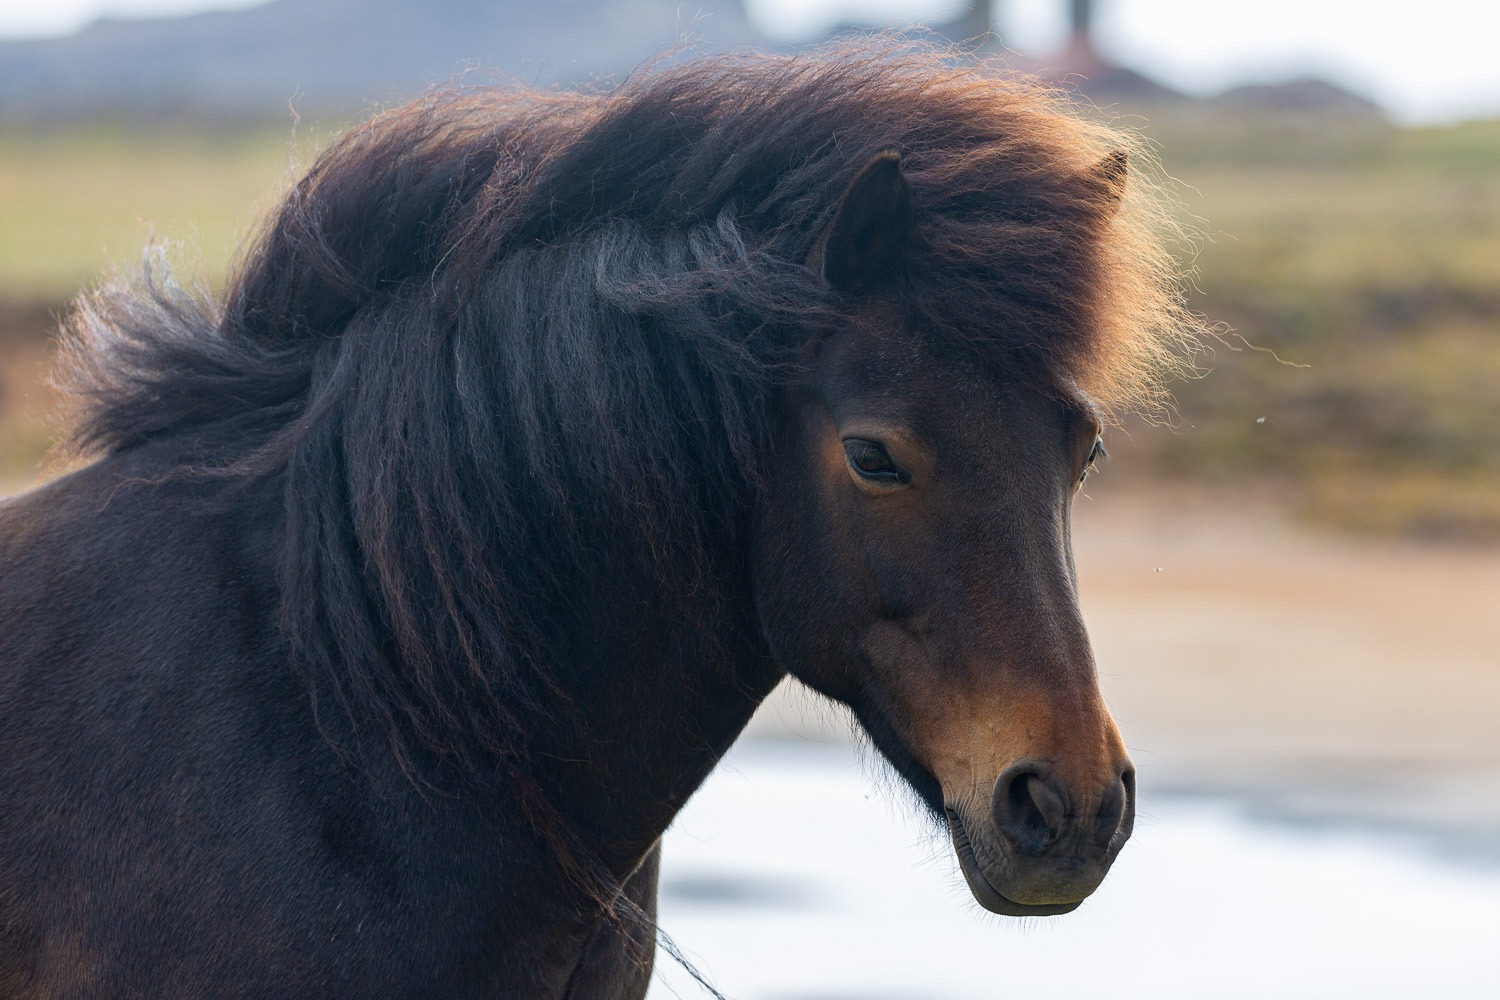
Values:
[(1127, 821), (1030, 807), (1116, 809)]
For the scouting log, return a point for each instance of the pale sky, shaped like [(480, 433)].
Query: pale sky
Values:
[(1433, 61)]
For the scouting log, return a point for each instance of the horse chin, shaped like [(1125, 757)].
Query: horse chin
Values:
[(993, 899)]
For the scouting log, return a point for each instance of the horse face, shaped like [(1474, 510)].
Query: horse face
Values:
[(913, 561)]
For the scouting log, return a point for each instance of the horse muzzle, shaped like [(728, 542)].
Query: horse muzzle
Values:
[(1039, 846)]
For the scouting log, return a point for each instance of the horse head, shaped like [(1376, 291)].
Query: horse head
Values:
[(913, 561)]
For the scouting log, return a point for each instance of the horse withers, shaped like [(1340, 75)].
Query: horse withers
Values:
[(420, 578)]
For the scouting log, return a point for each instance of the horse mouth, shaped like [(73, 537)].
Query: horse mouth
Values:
[(985, 893)]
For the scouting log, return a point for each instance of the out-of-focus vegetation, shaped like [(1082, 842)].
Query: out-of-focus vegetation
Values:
[(77, 201), (1371, 256), (1367, 256)]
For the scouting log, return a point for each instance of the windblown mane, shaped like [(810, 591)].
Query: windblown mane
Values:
[(498, 340)]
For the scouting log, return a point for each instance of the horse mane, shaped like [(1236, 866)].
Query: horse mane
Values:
[(499, 340)]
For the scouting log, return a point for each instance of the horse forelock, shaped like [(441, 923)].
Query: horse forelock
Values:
[(500, 343)]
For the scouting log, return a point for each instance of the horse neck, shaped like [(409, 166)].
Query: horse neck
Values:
[(653, 693)]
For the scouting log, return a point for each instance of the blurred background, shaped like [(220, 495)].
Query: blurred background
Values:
[(1294, 589)]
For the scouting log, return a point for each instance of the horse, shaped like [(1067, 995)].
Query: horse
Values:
[(417, 578)]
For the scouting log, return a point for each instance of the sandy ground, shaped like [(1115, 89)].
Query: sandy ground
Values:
[(1313, 677)]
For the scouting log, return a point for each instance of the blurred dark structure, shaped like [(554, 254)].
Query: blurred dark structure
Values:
[(1080, 66), (1304, 96)]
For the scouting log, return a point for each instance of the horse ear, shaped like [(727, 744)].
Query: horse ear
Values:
[(869, 230), (1110, 175)]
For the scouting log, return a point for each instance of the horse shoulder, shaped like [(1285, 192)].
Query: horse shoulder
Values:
[(180, 819)]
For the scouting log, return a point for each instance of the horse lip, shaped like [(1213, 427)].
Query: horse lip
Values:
[(986, 894)]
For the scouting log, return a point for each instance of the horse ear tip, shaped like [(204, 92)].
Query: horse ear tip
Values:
[(870, 227), (890, 163), (1111, 175), (1115, 165)]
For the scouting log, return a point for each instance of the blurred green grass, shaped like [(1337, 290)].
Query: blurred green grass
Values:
[(80, 201), (1368, 259), (77, 201), (1369, 256)]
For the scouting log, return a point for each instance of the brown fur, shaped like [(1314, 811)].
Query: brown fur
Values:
[(486, 476), (515, 231)]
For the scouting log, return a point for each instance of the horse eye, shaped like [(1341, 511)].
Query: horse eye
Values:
[(1097, 454), (871, 461)]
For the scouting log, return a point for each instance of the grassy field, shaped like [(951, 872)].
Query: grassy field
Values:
[(76, 203), (1366, 257), (79, 201), (1369, 259)]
